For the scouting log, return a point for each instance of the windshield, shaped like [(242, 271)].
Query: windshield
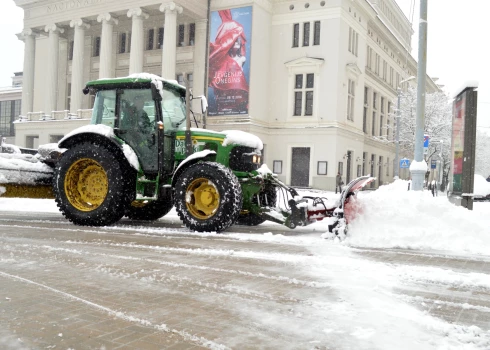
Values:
[(173, 110), (104, 108)]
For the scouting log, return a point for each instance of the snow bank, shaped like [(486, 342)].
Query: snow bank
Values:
[(482, 186), (394, 217)]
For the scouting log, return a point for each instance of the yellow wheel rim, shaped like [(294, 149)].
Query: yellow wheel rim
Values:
[(202, 198), (86, 184)]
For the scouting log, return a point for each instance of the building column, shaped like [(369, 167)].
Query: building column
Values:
[(200, 58), (169, 50), (77, 80), (29, 38), (106, 68), (51, 85), (137, 40)]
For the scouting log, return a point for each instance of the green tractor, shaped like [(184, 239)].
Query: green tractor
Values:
[(138, 158)]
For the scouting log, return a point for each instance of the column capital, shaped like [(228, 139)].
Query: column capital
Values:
[(108, 18), (53, 28), (171, 6), (79, 23), (26, 33), (138, 12), (201, 23)]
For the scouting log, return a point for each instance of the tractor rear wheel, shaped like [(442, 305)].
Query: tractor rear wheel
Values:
[(150, 211), (267, 197), (208, 197), (90, 185)]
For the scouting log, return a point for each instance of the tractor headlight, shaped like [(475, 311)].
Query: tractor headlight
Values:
[(256, 159)]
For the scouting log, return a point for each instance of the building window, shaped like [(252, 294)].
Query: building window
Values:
[(385, 70), (296, 35), (96, 50), (8, 111), (387, 166), (160, 38), (55, 138), (350, 100), (277, 167), (359, 170), (303, 92), (316, 33), (306, 34), (382, 117), (151, 37), (190, 80), (322, 168), (181, 35), (364, 160), (373, 161), (381, 120), (180, 79), (365, 112), (376, 67), (122, 43), (353, 41), (68, 96), (341, 168), (129, 43), (392, 73), (373, 125), (192, 34), (70, 50)]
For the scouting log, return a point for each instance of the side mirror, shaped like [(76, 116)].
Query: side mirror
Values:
[(204, 104)]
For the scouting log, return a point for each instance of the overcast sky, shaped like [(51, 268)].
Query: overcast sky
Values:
[(458, 49)]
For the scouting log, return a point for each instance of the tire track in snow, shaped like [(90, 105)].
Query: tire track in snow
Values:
[(288, 280), (121, 315)]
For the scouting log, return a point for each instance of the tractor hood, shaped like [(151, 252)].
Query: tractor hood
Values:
[(242, 138), (230, 137)]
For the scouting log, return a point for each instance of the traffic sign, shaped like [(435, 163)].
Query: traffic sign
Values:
[(404, 163), (433, 163), (426, 141)]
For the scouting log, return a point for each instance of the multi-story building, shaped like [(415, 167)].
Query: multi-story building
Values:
[(321, 76), (10, 102)]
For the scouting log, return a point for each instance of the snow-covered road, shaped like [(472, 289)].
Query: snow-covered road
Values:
[(135, 286)]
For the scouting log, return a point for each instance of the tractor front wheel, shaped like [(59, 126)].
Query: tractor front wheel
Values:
[(89, 185), (208, 197)]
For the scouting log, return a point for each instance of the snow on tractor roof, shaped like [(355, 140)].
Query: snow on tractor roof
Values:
[(137, 78)]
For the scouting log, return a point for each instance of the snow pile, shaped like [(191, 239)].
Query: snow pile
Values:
[(481, 186), (394, 217), (23, 169), (238, 137)]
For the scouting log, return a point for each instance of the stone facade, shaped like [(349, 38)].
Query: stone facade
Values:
[(350, 56)]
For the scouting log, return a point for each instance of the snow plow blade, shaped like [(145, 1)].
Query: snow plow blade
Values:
[(24, 176)]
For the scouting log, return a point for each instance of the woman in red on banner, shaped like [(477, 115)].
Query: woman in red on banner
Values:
[(226, 59)]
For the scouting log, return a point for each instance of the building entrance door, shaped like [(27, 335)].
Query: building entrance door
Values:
[(300, 167)]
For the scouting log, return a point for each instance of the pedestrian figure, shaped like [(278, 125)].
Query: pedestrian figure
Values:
[(432, 188), (409, 183), (338, 183)]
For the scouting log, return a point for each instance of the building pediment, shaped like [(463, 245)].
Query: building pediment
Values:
[(304, 61), (353, 69)]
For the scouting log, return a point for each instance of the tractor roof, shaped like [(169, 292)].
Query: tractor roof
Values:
[(140, 79)]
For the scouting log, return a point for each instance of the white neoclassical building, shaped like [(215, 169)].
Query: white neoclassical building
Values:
[(322, 76)]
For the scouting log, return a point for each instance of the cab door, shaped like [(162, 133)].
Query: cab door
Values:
[(137, 125)]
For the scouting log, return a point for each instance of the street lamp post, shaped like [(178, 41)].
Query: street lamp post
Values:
[(418, 169), (397, 141)]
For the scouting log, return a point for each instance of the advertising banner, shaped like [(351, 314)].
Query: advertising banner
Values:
[(229, 61), (458, 142)]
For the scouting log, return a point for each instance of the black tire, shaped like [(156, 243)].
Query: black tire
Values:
[(91, 185), (267, 196), (208, 197), (150, 211)]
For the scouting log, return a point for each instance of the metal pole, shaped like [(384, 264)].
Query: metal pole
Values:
[(397, 153), (188, 140), (418, 173)]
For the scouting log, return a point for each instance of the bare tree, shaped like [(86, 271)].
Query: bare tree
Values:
[(438, 126), (482, 157)]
